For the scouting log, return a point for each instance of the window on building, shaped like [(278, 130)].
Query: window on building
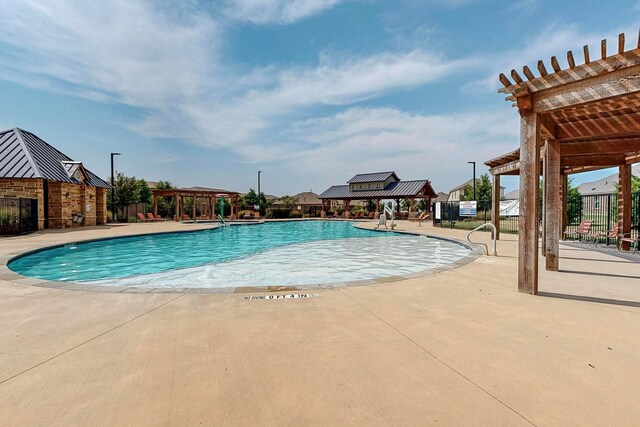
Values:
[(368, 185), (596, 202)]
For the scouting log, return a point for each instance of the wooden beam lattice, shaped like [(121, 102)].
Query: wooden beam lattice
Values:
[(607, 63)]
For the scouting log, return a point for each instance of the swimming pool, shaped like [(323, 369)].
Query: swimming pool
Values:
[(270, 254)]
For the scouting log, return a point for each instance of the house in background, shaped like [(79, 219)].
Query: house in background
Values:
[(307, 203), (456, 193), (64, 193), (606, 185)]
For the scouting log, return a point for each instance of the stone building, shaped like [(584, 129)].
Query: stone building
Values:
[(67, 194)]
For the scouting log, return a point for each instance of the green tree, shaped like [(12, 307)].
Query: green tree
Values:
[(635, 185), (166, 205), (483, 189), (289, 202), (144, 192), (250, 199), (126, 191)]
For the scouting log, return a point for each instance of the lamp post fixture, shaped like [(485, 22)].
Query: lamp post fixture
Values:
[(474, 180), (259, 198), (113, 193)]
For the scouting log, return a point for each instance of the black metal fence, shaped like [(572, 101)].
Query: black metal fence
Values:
[(602, 209), (450, 217), (18, 216)]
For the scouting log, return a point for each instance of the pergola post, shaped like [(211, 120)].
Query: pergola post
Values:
[(528, 219), (323, 212), (193, 207), (346, 203), (552, 189), (155, 205), (495, 204), (564, 205), (624, 202)]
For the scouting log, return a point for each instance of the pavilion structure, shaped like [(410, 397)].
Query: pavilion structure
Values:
[(208, 194), (377, 186), (575, 119)]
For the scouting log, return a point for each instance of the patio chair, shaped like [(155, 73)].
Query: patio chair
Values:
[(611, 234), (634, 242), (584, 229), (159, 218), (420, 218), (141, 217), (151, 217), (371, 214)]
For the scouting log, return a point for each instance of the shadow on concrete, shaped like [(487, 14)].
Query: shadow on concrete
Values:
[(590, 299), (592, 273), (598, 260)]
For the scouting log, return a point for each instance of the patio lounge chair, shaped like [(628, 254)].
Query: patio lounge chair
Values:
[(584, 229), (633, 242), (371, 214), (141, 217), (611, 234), (420, 218), (151, 217), (186, 217), (159, 218)]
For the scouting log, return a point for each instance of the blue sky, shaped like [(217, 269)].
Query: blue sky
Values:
[(310, 92)]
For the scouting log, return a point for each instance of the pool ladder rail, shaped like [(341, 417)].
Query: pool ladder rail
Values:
[(493, 237)]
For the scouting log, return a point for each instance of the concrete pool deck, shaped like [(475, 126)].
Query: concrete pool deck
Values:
[(461, 347)]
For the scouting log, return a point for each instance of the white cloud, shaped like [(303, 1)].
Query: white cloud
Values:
[(125, 51), (276, 11), (432, 146)]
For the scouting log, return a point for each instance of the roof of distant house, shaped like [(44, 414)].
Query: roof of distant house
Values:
[(25, 155), (305, 198), (605, 185)]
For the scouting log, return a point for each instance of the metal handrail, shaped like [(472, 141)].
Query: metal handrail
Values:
[(493, 236)]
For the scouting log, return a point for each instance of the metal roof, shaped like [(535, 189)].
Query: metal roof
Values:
[(372, 177), (24, 155), (393, 190)]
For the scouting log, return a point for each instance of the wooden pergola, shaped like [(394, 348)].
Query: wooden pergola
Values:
[(208, 194), (581, 118)]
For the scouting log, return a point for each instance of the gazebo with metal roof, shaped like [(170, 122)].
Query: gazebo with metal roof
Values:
[(580, 118), (377, 186)]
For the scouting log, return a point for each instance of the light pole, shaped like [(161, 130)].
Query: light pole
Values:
[(113, 193), (259, 198), (474, 180)]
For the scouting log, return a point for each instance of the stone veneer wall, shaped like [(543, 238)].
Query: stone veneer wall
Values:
[(101, 206), (65, 201), (26, 188)]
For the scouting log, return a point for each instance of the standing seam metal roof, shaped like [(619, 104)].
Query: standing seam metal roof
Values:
[(371, 177), (395, 189), (24, 155)]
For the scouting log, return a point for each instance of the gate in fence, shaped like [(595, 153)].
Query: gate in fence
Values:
[(18, 216)]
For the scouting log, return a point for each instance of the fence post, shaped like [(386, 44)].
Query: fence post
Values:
[(608, 216)]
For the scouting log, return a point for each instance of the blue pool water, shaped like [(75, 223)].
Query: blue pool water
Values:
[(131, 256)]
